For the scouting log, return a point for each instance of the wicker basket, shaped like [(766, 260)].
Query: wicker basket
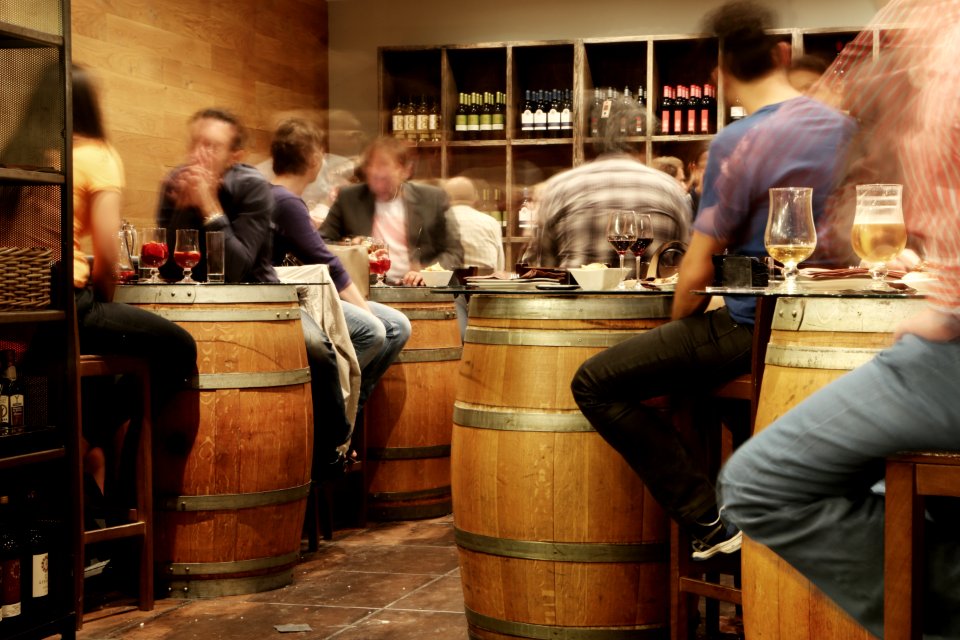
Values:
[(24, 278)]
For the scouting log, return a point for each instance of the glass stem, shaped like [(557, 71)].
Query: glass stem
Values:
[(637, 258)]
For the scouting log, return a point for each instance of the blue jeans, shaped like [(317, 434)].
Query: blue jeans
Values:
[(377, 338), (690, 355), (803, 485)]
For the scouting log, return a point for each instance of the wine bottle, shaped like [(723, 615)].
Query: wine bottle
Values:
[(525, 214), (498, 119), (396, 121), (595, 112), (15, 393), (460, 118), (640, 124), (423, 120), (627, 103), (473, 117), (410, 120), (679, 110), (486, 117), (434, 121), (693, 110), (553, 115), (708, 110), (666, 110), (566, 114), (37, 555), (605, 108), (10, 592), (526, 116), (540, 116)]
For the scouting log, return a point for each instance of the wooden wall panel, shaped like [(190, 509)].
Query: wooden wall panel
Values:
[(159, 61)]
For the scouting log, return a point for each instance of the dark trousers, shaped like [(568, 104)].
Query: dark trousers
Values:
[(685, 356)]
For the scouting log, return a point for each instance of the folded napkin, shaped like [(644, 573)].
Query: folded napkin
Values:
[(560, 275), (850, 272)]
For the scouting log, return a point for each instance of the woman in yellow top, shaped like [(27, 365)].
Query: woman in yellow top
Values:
[(106, 326)]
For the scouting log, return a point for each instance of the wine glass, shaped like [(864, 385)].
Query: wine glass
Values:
[(125, 268), (154, 252), (878, 233), (644, 238), (378, 253), (790, 236), (621, 233), (186, 253)]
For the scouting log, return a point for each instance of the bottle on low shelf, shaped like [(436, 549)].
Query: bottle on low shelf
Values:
[(498, 117), (422, 121), (666, 110), (410, 120), (397, 129)]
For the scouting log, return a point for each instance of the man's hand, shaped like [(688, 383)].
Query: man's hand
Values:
[(412, 279), (932, 325)]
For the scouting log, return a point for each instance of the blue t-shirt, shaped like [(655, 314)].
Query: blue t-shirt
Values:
[(796, 143)]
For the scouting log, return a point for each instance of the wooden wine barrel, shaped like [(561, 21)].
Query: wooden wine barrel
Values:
[(232, 456), (557, 536), (409, 414), (813, 341)]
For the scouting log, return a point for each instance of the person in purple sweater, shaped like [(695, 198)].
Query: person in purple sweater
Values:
[(377, 332)]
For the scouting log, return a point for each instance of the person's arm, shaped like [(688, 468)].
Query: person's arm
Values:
[(352, 295), (293, 223), (696, 273), (104, 227), (247, 227)]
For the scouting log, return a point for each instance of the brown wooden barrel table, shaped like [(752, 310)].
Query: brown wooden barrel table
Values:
[(409, 414), (232, 456), (813, 341), (557, 536)]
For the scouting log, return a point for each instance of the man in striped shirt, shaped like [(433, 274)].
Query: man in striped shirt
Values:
[(574, 205), (803, 485)]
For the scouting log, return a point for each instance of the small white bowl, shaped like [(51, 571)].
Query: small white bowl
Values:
[(599, 279), (436, 278)]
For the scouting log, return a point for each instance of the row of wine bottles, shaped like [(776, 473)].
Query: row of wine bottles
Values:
[(481, 116), (547, 113), (25, 560), (688, 110), (603, 117), (417, 122)]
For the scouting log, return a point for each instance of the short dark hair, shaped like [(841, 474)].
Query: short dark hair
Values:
[(742, 28), (225, 115), (87, 118), (293, 143)]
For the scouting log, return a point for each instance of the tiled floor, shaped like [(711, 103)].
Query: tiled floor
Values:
[(394, 580)]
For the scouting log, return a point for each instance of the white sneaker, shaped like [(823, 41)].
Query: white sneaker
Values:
[(703, 549)]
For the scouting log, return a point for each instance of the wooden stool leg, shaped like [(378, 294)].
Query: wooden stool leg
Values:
[(145, 493), (903, 573), (679, 601)]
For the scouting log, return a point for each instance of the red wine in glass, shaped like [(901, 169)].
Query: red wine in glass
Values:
[(126, 275), (640, 245), (154, 254), (382, 265), (186, 259), (620, 243)]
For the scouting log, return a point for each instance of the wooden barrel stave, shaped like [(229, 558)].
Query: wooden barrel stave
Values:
[(410, 412), (533, 482), (244, 432), (812, 343)]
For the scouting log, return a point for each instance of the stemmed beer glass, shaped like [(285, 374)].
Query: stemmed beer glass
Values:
[(790, 236), (621, 233), (187, 253), (378, 253), (878, 234)]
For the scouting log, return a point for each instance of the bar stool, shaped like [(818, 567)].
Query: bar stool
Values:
[(140, 520), (909, 478), (691, 580)]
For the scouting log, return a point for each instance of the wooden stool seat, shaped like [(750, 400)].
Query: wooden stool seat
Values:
[(910, 477), (140, 519)]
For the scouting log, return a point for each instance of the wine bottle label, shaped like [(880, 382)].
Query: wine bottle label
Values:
[(638, 127), (605, 108), (691, 122), (423, 121), (677, 121), (497, 122), (704, 121), (410, 122), (41, 575), (460, 123), (526, 120), (539, 120), (473, 122), (566, 119), (10, 594), (432, 122), (665, 121), (486, 122), (737, 112), (16, 410), (4, 410), (397, 123)]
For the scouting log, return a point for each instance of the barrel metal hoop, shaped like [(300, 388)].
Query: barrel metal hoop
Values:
[(409, 294), (194, 569), (429, 355), (819, 357), (411, 512), (537, 338), (231, 294), (408, 453), (519, 420), (213, 314), (591, 552), (572, 308), (855, 315), (551, 632), (228, 586), (429, 314), (234, 501), (389, 496), (251, 380)]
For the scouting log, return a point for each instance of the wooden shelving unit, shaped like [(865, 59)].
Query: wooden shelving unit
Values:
[(513, 163), (35, 194)]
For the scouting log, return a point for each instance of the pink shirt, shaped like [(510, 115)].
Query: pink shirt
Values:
[(390, 225)]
